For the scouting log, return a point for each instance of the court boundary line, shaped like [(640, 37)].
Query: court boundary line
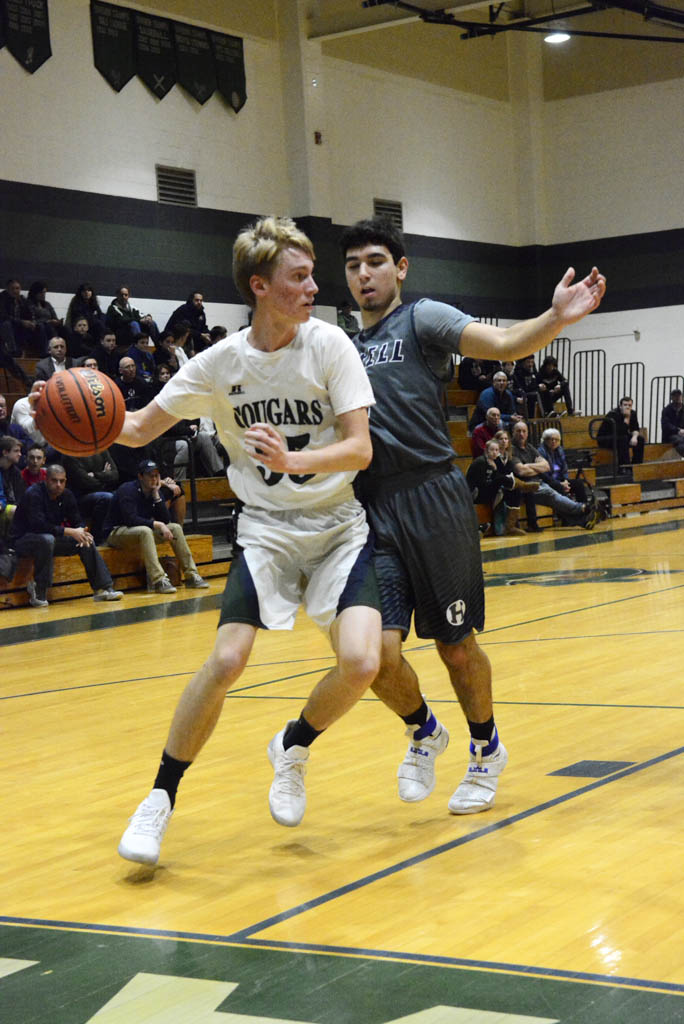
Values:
[(172, 609), (360, 952), (244, 936), (408, 862)]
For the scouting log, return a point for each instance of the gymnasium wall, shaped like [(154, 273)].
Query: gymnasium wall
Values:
[(77, 195)]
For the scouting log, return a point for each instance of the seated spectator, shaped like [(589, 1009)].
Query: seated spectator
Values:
[(524, 387), (165, 353), (497, 396), (528, 464), (7, 360), (485, 432), (181, 342), (141, 354), (80, 341), (43, 313), (135, 390), (13, 485), (476, 374), (85, 303), (21, 417), (127, 322), (93, 479), (218, 333), (187, 432), (89, 362), (9, 429), (138, 519), (551, 449), (19, 330), (346, 319), (47, 523), (552, 386), (192, 312), (56, 359), (107, 357), (671, 420), (622, 425), (508, 367), (34, 472), (491, 485)]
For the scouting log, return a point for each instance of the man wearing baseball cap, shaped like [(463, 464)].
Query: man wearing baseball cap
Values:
[(138, 519)]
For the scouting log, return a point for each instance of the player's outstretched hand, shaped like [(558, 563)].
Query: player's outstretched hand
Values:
[(573, 301), (266, 445), (34, 394)]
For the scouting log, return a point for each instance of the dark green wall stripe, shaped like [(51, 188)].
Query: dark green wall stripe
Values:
[(164, 252)]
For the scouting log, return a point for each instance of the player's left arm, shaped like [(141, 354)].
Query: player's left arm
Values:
[(266, 445), (570, 303)]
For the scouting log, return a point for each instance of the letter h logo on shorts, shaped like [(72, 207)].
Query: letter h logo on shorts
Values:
[(236, 389), (455, 613)]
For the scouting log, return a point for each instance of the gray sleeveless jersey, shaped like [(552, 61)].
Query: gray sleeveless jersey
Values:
[(408, 357)]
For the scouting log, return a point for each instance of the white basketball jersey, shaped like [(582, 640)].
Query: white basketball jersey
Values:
[(299, 390)]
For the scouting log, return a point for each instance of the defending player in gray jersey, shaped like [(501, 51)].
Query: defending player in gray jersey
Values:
[(428, 558)]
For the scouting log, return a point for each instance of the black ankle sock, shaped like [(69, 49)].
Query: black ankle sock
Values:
[(300, 734), (482, 730), (169, 775), (418, 717)]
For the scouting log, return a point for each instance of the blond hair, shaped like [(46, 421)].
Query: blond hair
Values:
[(258, 247)]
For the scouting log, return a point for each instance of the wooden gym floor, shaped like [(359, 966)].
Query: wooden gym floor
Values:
[(565, 902)]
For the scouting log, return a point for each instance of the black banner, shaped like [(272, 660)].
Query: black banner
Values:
[(113, 51), (155, 58), (229, 61), (2, 25), (27, 32), (194, 61)]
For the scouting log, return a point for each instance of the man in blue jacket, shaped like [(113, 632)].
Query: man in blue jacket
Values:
[(138, 518), (47, 523)]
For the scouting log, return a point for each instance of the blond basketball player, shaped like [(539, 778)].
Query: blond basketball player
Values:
[(290, 398)]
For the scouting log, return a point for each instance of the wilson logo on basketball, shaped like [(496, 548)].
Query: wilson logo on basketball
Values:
[(96, 390)]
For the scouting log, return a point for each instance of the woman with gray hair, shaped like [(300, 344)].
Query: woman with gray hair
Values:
[(551, 449)]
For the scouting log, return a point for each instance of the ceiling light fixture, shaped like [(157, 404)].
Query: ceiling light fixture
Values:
[(556, 38)]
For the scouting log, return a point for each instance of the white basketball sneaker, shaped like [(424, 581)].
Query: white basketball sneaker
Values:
[(142, 839), (416, 773), (478, 788), (287, 796)]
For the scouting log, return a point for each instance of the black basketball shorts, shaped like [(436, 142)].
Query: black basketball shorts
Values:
[(428, 560)]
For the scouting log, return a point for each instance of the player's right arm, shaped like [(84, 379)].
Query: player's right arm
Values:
[(143, 425), (140, 427)]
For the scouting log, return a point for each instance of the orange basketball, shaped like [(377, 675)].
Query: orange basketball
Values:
[(80, 411)]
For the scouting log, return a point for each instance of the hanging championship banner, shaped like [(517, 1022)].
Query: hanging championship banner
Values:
[(113, 52), (27, 32), (229, 61), (194, 61), (155, 58)]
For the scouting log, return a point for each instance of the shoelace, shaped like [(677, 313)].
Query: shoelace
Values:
[(149, 820), (289, 777)]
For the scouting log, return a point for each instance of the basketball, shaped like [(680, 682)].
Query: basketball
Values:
[(80, 411)]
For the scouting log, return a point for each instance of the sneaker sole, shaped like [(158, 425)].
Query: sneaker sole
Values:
[(136, 858)]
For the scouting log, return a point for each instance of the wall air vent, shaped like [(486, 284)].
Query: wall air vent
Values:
[(391, 210), (176, 186)]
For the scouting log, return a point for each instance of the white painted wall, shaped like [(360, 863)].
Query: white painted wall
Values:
[(69, 129), (445, 155), (614, 162)]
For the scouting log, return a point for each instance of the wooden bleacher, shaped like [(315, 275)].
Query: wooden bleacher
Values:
[(69, 579)]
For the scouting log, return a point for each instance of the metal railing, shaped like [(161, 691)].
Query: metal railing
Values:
[(659, 397)]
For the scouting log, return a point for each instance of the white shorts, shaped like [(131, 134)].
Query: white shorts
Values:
[(321, 558)]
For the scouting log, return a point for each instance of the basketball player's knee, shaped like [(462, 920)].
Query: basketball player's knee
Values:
[(459, 656), (360, 666), (227, 663)]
